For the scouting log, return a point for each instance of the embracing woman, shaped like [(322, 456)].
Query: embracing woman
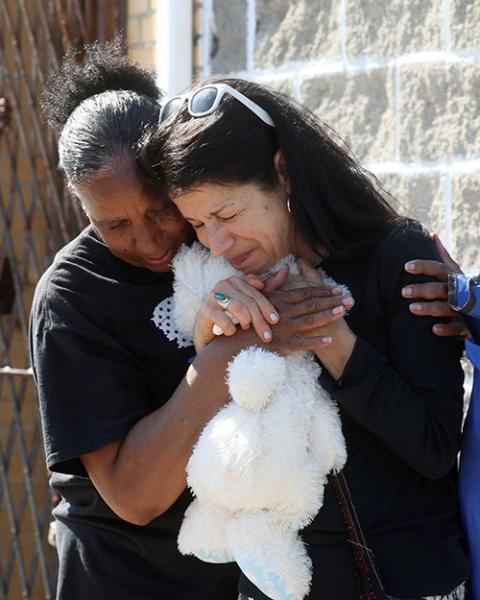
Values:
[(257, 179), (122, 405)]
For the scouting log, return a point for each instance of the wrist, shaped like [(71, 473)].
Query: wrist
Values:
[(335, 357), (464, 294)]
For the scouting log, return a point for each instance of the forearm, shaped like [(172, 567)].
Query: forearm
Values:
[(419, 421), (145, 473)]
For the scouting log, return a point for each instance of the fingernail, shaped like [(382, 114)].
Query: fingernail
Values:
[(267, 335), (437, 329), (337, 290), (273, 316), (407, 292), (411, 265), (327, 339), (348, 301), (338, 310), (416, 307)]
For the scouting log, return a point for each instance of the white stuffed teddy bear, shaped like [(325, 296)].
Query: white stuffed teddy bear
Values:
[(259, 467)]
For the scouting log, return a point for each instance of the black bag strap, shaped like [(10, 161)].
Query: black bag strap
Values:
[(370, 584)]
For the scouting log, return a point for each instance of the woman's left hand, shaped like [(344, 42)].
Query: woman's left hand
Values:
[(235, 301)]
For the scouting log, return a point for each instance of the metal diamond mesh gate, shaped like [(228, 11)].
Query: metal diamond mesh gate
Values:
[(36, 218)]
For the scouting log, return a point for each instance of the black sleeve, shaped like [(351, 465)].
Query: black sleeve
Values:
[(411, 396), (90, 389)]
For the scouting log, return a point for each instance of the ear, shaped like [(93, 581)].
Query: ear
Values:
[(280, 165)]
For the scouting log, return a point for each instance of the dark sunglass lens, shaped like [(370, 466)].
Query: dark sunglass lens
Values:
[(171, 107), (203, 100)]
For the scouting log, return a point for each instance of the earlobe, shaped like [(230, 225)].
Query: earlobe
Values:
[(280, 165)]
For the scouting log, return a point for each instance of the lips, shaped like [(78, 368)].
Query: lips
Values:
[(160, 261), (238, 260)]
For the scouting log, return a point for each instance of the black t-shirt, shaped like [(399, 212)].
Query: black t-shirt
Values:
[(101, 363), (400, 400)]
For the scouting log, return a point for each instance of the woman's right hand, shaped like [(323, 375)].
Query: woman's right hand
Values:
[(247, 306)]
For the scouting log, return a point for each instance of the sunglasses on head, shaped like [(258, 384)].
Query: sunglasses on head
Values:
[(204, 101)]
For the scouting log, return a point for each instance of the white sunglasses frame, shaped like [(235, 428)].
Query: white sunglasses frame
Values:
[(222, 89)]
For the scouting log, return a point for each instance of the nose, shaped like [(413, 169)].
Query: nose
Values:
[(148, 237), (219, 240)]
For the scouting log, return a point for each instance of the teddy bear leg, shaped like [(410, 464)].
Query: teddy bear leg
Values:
[(203, 533), (271, 555)]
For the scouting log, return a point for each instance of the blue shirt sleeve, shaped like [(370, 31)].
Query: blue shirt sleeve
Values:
[(469, 480)]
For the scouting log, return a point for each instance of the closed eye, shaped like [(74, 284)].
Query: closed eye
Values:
[(118, 225), (223, 219)]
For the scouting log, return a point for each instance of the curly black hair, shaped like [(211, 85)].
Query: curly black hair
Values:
[(102, 104), (97, 68)]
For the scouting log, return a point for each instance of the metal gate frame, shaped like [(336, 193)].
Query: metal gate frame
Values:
[(36, 218)]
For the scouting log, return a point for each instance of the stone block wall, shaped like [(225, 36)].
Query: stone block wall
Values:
[(399, 81)]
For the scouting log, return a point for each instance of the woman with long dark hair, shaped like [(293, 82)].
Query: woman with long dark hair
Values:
[(259, 178), (119, 416)]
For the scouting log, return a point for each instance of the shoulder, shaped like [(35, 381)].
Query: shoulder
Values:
[(408, 239), (77, 270)]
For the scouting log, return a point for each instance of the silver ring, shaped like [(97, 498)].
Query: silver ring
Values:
[(233, 319), (217, 330), (224, 303)]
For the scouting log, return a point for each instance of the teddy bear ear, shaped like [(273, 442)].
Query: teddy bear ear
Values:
[(254, 376)]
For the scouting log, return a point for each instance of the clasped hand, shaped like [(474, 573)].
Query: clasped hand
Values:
[(287, 313)]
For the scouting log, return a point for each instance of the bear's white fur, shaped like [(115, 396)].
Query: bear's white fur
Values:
[(259, 468)]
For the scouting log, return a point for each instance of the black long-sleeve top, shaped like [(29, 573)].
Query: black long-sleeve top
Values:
[(400, 400)]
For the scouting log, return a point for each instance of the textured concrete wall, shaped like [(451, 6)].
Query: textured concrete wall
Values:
[(398, 80)]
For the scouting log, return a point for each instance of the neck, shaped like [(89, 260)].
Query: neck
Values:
[(304, 250)]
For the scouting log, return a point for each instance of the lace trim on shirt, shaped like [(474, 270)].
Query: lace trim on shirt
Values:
[(163, 319)]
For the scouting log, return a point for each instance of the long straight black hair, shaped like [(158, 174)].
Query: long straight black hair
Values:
[(334, 202)]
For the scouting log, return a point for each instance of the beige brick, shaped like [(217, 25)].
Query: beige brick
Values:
[(144, 56), (419, 197), (135, 7), (134, 31), (149, 29), (229, 50), (466, 219), (464, 20), (439, 111), (299, 30), (391, 28), (359, 108)]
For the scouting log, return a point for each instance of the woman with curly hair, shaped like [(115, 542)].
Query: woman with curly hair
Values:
[(120, 412)]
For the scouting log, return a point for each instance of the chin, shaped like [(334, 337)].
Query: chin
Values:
[(166, 269)]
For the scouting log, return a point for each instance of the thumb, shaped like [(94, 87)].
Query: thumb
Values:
[(277, 280), (254, 281)]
